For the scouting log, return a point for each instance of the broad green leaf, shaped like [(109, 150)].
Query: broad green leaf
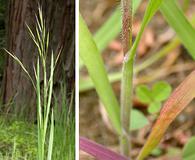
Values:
[(144, 94), (176, 103), (154, 107), (92, 59), (177, 20), (51, 138), (138, 120), (161, 91), (189, 150)]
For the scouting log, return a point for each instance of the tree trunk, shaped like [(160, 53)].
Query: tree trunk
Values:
[(59, 16)]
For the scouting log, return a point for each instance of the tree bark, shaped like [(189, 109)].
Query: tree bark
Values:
[(59, 16)]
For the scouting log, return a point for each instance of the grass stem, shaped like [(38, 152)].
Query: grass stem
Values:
[(127, 78)]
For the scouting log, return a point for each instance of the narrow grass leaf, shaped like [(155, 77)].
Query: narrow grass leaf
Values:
[(51, 137), (178, 101), (177, 20), (14, 149), (95, 66), (22, 66), (38, 92), (50, 85), (41, 18), (39, 112), (98, 151), (152, 8)]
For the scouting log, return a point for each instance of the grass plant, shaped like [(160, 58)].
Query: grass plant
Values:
[(54, 141), (64, 131), (41, 40)]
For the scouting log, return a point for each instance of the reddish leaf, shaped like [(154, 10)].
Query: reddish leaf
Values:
[(98, 151)]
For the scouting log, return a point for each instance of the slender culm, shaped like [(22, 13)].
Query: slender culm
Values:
[(127, 77), (126, 25)]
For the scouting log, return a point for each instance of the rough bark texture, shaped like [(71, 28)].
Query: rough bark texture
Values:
[(60, 20)]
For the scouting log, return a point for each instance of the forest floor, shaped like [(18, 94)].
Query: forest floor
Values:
[(173, 68), (18, 139)]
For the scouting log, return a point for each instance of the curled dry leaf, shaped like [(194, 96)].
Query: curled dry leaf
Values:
[(179, 99)]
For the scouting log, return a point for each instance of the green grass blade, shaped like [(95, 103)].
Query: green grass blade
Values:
[(50, 91), (152, 8), (16, 59), (14, 150), (92, 59), (177, 20), (39, 113), (51, 137)]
